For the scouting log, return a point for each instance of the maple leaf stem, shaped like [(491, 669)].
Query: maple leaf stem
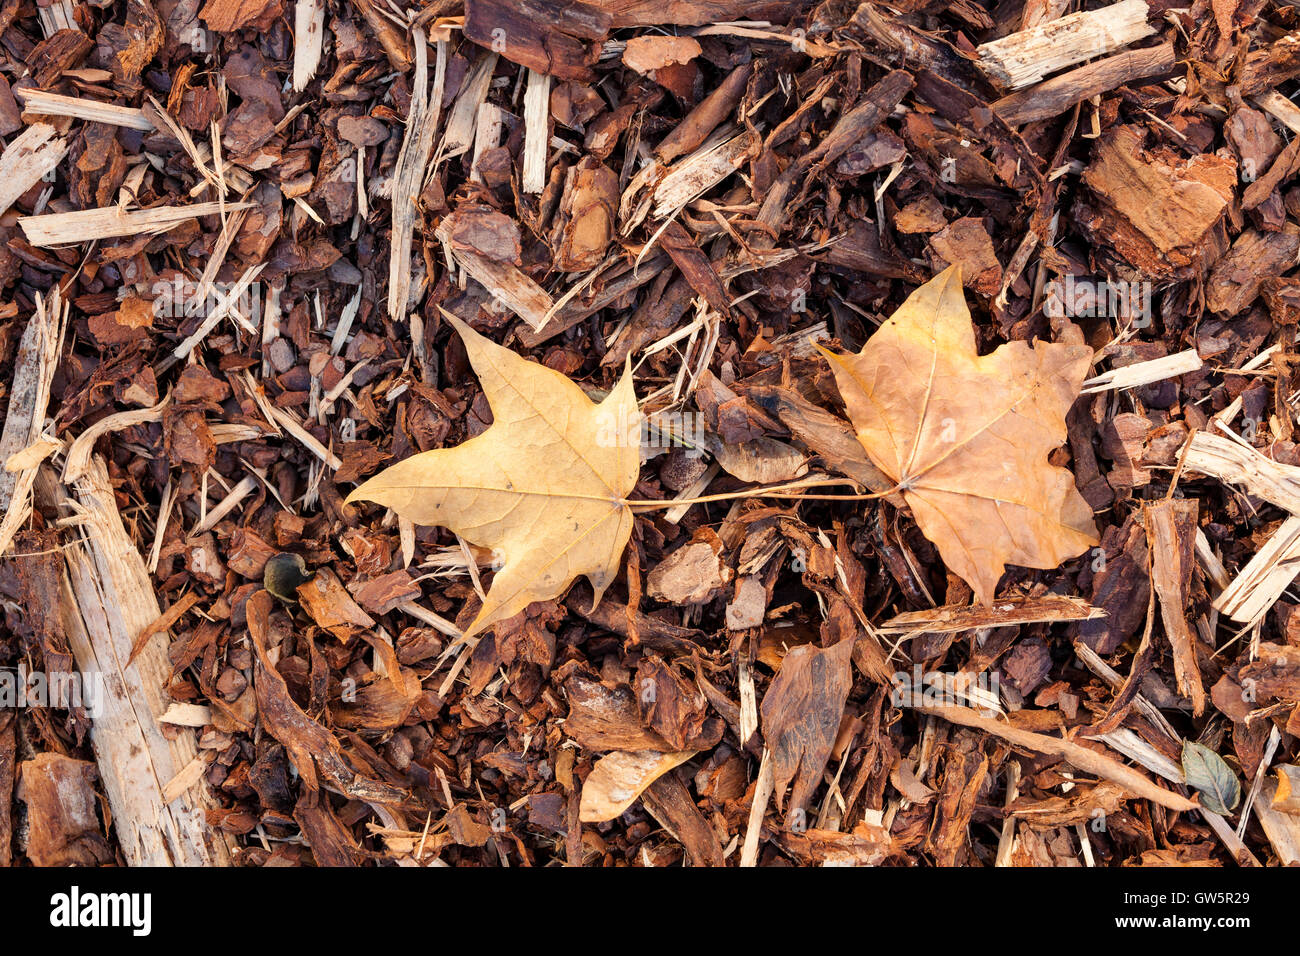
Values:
[(788, 490)]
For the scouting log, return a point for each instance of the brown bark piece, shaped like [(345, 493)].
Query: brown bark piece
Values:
[(331, 607), (1171, 528), (548, 36), (1158, 209), (966, 243), (1237, 278), (801, 715), (62, 819)]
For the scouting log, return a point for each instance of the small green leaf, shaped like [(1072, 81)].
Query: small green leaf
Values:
[(1211, 777)]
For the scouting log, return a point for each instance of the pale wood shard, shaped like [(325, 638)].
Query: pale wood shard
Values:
[(270, 325), (462, 120), (1055, 96), (953, 619), (537, 115), (1261, 582), (1170, 526), (1006, 840), (1086, 760), (1236, 463), (56, 104), (247, 485), (677, 513), (188, 776), (439, 624), (308, 40), (1280, 108), (290, 424), (33, 454), (487, 135), (748, 702), (1214, 568), (1144, 373), (1261, 774), (697, 174), (29, 399), (57, 15), (108, 600), (408, 177), (225, 306), (1027, 56), (32, 154), (511, 287), (114, 222), (77, 459), (763, 788), (1281, 826)]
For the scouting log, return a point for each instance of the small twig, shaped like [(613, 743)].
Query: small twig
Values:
[(775, 491)]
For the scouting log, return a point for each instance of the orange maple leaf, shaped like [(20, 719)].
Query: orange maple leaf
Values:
[(966, 436)]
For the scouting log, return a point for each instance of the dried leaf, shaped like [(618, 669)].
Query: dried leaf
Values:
[(1211, 777), (313, 750), (618, 779), (801, 715), (544, 486), (966, 437)]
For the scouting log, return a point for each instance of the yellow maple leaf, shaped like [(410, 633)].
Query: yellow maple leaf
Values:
[(544, 487), (966, 436)]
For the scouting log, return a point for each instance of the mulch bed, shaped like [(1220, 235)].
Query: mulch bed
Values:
[(710, 189)]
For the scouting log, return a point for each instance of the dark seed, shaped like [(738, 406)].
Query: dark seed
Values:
[(283, 575)]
